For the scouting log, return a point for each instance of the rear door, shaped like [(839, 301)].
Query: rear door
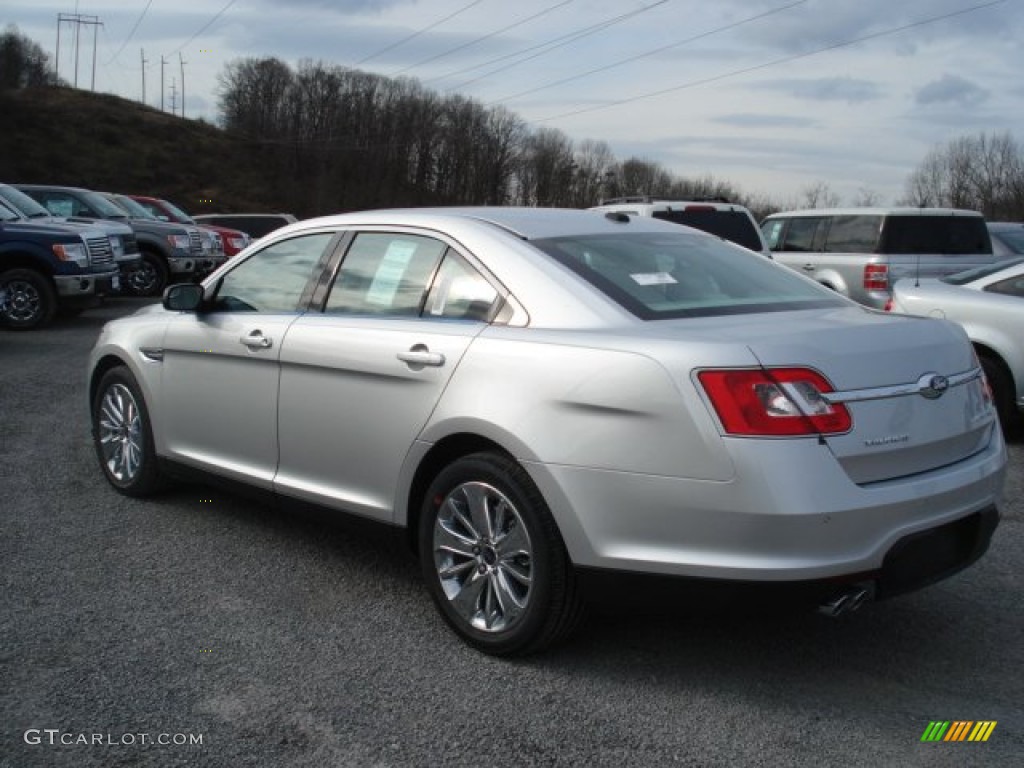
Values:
[(360, 379)]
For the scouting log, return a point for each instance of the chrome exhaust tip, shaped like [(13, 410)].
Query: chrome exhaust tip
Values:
[(850, 599)]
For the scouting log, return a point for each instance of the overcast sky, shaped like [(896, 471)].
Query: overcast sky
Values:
[(771, 95)]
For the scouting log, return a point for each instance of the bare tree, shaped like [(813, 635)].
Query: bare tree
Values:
[(819, 195), (23, 63), (867, 198)]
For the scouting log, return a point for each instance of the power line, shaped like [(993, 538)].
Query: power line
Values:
[(418, 32), (135, 27), (653, 51), (766, 65), (480, 39), (205, 27), (549, 46)]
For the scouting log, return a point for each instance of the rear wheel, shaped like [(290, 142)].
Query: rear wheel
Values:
[(27, 300), (1000, 381), (122, 435), (493, 558)]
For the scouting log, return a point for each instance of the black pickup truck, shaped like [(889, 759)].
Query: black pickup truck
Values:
[(46, 268)]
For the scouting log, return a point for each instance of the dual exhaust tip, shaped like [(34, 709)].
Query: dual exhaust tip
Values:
[(850, 599)]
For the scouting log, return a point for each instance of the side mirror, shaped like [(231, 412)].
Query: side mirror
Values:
[(183, 297)]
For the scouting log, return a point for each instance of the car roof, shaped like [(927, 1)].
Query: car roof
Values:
[(1004, 226), (877, 211), (523, 222)]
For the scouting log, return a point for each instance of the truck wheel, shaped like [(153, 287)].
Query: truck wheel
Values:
[(150, 277), (29, 300)]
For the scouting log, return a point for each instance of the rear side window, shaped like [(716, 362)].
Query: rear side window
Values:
[(936, 234), (804, 234), (734, 226), (853, 234)]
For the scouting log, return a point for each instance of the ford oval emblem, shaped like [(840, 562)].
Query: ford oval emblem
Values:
[(932, 385)]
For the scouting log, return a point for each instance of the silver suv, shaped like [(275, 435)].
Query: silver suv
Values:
[(717, 217)]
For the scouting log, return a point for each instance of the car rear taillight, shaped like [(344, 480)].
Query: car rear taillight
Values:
[(774, 402), (876, 277)]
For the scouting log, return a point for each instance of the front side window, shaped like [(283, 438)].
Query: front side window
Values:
[(664, 275), (273, 279)]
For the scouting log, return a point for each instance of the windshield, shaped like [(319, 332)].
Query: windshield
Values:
[(176, 212), (665, 275), (970, 275), (1011, 238), (103, 206), (6, 214), (135, 210), (22, 203)]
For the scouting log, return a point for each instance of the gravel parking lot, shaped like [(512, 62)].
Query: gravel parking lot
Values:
[(202, 629)]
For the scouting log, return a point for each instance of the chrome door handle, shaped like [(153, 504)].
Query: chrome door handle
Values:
[(808, 267), (420, 355), (256, 340)]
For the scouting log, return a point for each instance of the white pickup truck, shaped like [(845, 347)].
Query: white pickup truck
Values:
[(862, 252)]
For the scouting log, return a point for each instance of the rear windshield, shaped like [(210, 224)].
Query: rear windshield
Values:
[(969, 275), (935, 234), (666, 275), (735, 226)]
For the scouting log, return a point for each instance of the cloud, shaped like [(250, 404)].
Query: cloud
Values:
[(827, 89), (751, 120), (950, 89)]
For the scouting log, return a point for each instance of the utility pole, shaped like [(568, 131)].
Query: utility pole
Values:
[(174, 96), (181, 63), (142, 55), (78, 19), (162, 86)]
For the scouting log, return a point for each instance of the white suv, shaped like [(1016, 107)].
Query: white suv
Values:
[(718, 217)]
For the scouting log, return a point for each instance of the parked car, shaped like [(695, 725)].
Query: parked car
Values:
[(861, 252), (256, 225), (167, 249), (46, 268), (1007, 238), (212, 249), (234, 240), (729, 221), (537, 399), (989, 303), (122, 237)]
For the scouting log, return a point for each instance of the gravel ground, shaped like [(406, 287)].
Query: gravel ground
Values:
[(276, 640)]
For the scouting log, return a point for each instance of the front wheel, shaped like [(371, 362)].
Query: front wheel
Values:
[(122, 435), (493, 558), (149, 278), (27, 300)]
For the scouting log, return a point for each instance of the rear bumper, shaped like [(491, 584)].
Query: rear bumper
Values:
[(913, 562), (790, 514)]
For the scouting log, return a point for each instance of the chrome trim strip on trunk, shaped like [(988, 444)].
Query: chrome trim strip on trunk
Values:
[(921, 387)]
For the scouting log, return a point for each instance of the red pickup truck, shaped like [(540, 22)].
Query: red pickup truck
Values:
[(234, 239)]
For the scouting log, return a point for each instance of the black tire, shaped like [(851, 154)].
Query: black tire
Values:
[(149, 278), (1000, 381), (29, 302), (122, 435), (503, 592)]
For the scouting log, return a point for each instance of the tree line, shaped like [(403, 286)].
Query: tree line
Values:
[(332, 138)]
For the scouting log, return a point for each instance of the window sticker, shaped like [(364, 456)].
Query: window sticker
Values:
[(653, 278), (388, 276)]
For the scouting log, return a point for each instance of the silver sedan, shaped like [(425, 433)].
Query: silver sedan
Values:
[(538, 399), (989, 303)]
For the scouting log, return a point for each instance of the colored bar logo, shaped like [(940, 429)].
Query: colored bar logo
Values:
[(958, 730)]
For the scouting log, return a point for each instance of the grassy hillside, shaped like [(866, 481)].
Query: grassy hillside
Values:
[(74, 137)]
